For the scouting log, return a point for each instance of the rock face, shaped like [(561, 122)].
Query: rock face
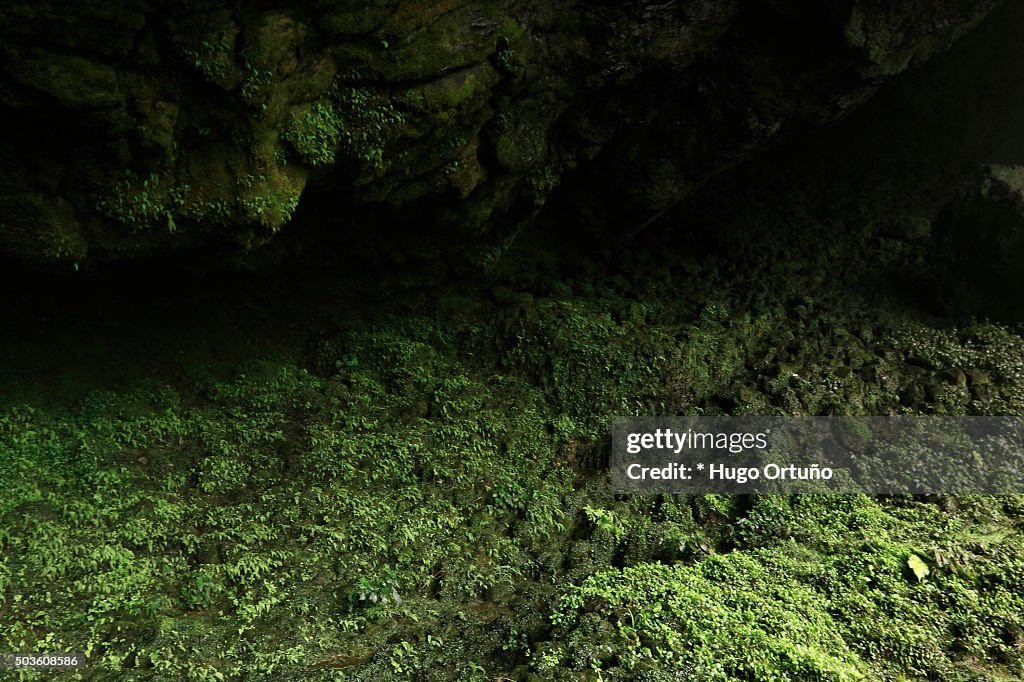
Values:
[(980, 239), (138, 128)]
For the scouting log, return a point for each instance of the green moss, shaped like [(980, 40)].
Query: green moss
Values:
[(140, 203), (209, 211), (271, 210), (255, 86), (316, 134), (208, 522), (156, 201), (543, 181), (709, 620), (269, 199), (419, 495), (826, 608), (371, 122), (210, 57), (357, 122)]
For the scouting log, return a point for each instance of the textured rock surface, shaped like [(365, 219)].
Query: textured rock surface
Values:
[(981, 238), (141, 128)]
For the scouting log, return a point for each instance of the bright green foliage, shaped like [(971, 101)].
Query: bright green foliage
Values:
[(737, 616), (140, 202), (415, 497), (271, 210), (371, 122), (358, 122), (829, 608), (157, 202), (210, 57), (139, 511), (588, 362), (255, 87), (316, 134)]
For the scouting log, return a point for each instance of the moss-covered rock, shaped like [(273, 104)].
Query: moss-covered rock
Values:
[(980, 237), (470, 114)]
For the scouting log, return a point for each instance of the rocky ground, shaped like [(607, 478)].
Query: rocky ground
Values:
[(362, 462)]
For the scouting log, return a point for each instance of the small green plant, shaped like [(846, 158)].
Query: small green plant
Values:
[(607, 521), (504, 58), (405, 658), (372, 591), (503, 122), (504, 55), (255, 86), (371, 122), (544, 180), (270, 202), (216, 211), (211, 57), (316, 134), (712, 619), (142, 202), (357, 122), (202, 590)]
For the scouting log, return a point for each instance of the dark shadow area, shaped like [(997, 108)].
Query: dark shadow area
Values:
[(886, 173), (895, 161)]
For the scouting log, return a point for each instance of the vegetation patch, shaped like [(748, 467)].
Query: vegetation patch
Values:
[(421, 495), (355, 121)]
